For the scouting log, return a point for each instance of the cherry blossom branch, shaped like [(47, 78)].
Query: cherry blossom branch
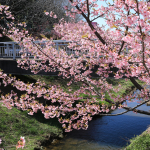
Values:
[(90, 24), (87, 82), (102, 40), (67, 107), (143, 36)]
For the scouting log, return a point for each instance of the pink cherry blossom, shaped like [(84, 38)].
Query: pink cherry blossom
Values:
[(54, 16), (46, 13), (21, 143)]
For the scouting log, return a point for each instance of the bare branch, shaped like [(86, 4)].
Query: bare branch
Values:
[(113, 114), (130, 109), (97, 17), (138, 86)]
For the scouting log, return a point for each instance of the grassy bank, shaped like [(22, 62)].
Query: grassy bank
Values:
[(140, 142), (15, 123), (36, 129)]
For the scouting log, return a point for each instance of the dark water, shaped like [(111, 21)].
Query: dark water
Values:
[(107, 132)]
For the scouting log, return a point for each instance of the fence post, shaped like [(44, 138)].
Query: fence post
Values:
[(57, 46), (127, 50), (7, 50), (14, 51)]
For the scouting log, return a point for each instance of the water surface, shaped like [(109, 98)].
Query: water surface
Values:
[(106, 132)]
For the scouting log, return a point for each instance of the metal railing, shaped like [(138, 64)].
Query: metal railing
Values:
[(59, 44), (9, 49), (12, 49)]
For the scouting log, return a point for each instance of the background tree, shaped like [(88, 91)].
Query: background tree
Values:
[(31, 12)]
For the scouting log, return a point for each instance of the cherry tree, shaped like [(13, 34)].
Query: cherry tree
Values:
[(128, 23)]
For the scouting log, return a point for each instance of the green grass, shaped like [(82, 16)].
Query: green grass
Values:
[(15, 123), (141, 142)]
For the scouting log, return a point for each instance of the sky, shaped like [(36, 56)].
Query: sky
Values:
[(101, 21)]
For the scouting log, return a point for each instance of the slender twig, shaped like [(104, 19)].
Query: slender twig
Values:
[(88, 9), (97, 17), (130, 109)]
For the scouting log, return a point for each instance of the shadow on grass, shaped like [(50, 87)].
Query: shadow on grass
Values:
[(52, 121)]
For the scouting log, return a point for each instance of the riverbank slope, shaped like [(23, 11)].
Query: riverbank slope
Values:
[(140, 142)]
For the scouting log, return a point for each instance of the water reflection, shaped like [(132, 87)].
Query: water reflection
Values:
[(107, 132), (80, 144)]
